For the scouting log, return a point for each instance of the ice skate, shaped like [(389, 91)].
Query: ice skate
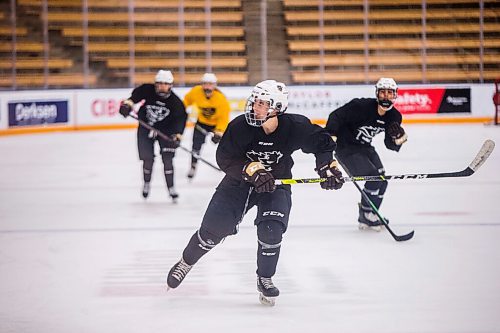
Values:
[(268, 291), (173, 194), (177, 273), (145, 190), (192, 172), (368, 220)]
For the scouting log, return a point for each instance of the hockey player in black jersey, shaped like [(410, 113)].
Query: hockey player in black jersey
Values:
[(354, 125), (163, 110), (255, 150)]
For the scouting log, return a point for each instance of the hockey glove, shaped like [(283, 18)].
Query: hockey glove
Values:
[(330, 171), (256, 174), (176, 139), (216, 137), (397, 133), (126, 108)]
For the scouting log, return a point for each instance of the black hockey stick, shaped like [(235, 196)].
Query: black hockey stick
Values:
[(165, 137), (203, 131), (480, 158), (398, 238)]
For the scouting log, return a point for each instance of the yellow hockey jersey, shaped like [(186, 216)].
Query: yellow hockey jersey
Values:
[(213, 112)]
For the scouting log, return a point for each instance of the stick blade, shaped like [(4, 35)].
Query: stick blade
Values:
[(482, 155), (406, 237)]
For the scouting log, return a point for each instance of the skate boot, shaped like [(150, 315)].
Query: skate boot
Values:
[(368, 220), (145, 190), (268, 291), (177, 273), (173, 194), (192, 171)]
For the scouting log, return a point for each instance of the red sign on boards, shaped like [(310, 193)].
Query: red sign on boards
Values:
[(413, 101)]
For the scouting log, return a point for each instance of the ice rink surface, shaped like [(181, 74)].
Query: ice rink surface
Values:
[(81, 251)]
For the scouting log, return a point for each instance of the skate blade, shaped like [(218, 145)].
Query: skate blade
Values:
[(362, 226), (268, 301)]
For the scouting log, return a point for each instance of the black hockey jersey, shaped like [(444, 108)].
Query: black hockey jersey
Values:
[(165, 114), (357, 122), (242, 143)]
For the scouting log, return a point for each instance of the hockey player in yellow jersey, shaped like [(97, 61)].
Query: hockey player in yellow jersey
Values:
[(212, 111)]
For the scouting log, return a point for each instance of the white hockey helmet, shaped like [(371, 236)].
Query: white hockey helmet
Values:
[(270, 91), (164, 77), (209, 78), (389, 84)]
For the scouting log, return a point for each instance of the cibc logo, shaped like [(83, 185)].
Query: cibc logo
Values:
[(102, 107)]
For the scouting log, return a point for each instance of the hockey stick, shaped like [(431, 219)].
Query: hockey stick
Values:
[(165, 137), (480, 158), (203, 131), (398, 238)]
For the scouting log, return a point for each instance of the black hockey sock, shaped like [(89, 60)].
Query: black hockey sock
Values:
[(267, 259), (168, 169), (374, 196), (147, 169), (199, 245), (194, 160), (269, 243), (169, 178)]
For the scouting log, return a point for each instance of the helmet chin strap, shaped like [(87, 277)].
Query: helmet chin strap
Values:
[(272, 114), (385, 104)]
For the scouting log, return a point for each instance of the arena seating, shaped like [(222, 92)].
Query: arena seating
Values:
[(346, 50), (352, 46), (164, 37)]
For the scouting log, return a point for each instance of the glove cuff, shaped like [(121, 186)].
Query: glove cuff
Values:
[(251, 168), (401, 140), (176, 137), (128, 102)]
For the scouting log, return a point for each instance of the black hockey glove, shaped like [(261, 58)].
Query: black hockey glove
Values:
[(397, 133), (126, 108), (176, 139), (216, 137), (330, 171), (261, 180)]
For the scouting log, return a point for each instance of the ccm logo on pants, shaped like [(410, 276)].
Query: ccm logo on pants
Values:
[(273, 213)]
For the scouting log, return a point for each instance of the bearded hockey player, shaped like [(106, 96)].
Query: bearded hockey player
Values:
[(354, 125), (255, 150), (163, 110)]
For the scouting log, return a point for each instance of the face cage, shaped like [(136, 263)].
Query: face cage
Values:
[(250, 114), (388, 103), (161, 93)]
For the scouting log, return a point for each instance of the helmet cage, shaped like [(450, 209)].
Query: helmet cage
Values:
[(275, 93), (386, 84), (166, 77)]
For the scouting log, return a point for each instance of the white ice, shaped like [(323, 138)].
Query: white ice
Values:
[(81, 251)]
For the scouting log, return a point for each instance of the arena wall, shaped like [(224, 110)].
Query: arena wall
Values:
[(87, 109)]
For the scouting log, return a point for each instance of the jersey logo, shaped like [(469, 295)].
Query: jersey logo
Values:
[(366, 133), (262, 143), (155, 113), (267, 158), (207, 112)]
